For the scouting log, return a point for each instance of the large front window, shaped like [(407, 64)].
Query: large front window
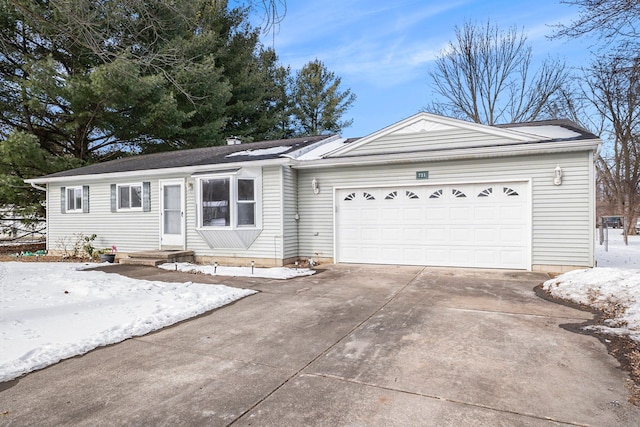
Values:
[(228, 202), (215, 202)]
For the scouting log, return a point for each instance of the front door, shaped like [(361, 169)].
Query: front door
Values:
[(172, 213)]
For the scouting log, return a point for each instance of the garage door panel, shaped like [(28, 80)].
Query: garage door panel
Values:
[(437, 256), (371, 253), (459, 235), (487, 257), (486, 235), (485, 213), (413, 215), (473, 225), (461, 257), (511, 213), (392, 235), (434, 213), (370, 216), (370, 234), (462, 213), (413, 255), (412, 234), (437, 235), (512, 235)]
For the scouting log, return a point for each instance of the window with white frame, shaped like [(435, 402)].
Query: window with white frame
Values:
[(74, 199), (129, 196), (215, 202), (246, 203), (228, 201)]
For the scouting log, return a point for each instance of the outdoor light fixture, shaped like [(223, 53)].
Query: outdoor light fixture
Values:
[(557, 177), (315, 186)]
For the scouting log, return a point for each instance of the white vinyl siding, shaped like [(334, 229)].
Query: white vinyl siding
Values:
[(129, 231), (561, 219)]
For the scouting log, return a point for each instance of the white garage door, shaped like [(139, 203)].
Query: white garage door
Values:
[(470, 225)]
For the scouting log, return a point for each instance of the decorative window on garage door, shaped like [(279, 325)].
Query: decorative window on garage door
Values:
[(350, 196), (510, 191), (368, 196), (436, 194), (457, 193), (391, 195), (411, 195), (486, 192)]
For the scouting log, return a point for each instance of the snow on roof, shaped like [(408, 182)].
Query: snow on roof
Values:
[(261, 151), (548, 131), (318, 150)]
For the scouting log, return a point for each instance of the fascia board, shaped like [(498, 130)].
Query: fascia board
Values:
[(503, 133), (153, 173), (456, 154)]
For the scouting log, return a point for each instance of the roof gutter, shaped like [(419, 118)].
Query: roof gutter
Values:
[(37, 187)]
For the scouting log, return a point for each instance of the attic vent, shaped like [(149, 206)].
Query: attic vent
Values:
[(233, 140)]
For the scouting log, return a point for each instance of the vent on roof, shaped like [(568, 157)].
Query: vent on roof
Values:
[(233, 140)]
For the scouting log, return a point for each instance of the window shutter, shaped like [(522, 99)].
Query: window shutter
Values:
[(146, 196), (114, 202), (63, 199), (85, 198)]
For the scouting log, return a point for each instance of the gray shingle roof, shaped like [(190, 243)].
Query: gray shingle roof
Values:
[(193, 157)]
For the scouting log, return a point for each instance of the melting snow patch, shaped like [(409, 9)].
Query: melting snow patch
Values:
[(267, 273), (260, 152)]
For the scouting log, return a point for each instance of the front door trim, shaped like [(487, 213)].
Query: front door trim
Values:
[(172, 241)]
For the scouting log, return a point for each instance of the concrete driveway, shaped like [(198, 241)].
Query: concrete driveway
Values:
[(353, 345)]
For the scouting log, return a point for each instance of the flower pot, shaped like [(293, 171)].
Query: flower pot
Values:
[(107, 258)]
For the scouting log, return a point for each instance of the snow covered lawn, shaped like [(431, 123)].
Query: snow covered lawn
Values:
[(613, 287), (53, 311)]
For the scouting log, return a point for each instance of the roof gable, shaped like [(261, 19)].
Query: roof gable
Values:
[(429, 132)]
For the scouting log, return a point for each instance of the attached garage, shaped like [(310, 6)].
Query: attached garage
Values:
[(435, 191), (485, 225)]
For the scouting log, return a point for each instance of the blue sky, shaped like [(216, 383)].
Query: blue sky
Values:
[(383, 50)]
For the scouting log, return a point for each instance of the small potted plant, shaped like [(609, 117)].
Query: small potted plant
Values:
[(108, 254)]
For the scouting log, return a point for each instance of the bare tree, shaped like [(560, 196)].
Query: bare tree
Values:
[(611, 20), (613, 85), (485, 76)]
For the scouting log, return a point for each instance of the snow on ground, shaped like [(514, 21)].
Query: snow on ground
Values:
[(613, 286), (53, 311), (267, 273)]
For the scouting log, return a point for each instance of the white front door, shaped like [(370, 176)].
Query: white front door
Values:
[(172, 213)]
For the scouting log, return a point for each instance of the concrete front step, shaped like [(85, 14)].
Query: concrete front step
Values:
[(155, 258)]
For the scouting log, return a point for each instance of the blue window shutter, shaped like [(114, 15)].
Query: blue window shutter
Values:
[(85, 198), (146, 196), (114, 202), (63, 199)]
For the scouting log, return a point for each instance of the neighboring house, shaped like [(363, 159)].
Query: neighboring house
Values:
[(427, 190)]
